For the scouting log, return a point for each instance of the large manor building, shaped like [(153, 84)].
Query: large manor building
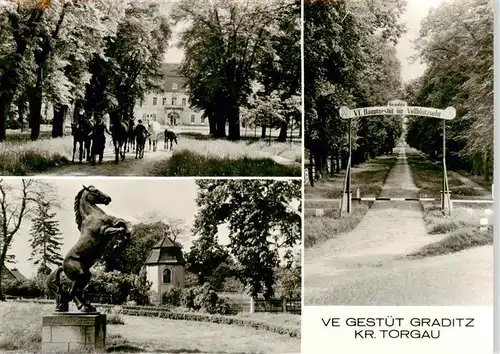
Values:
[(170, 107)]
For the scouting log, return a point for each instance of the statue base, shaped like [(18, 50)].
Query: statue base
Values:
[(65, 332)]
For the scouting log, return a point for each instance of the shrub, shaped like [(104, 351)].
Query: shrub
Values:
[(114, 319), (18, 288), (204, 298), (172, 297), (187, 298)]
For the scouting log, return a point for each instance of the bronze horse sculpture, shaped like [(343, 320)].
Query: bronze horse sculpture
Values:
[(97, 230)]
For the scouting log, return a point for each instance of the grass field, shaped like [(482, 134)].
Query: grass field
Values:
[(20, 332), (203, 157), (368, 177), (460, 229)]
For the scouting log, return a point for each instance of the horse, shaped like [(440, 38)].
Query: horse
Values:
[(97, 230), (169, 136), (131, 135), (119, 133), (141, 134), (154, 129), (80, 132)]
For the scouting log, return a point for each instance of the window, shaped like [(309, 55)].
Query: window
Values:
[(192, 119), (167, 276), (183, 101), (174, 86), (164, 101), (155, 101), (174, 101), (202, 119)]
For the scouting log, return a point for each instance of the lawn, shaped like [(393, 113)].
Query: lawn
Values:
[(369, 177), (20, 332), (193, 157), (428, 177), (459, 229)]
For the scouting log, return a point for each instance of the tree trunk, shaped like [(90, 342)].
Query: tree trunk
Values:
[(486, 166), (263, 132), (212, 123), (283, 131), (58, 121), (220, 127), (21, 110), (234, 122), (337, 165), (311, 166), (35, 99), (4, 114)]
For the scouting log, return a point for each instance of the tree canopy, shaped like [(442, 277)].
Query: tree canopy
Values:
[(264, 222), (350, 60), (456, 44)]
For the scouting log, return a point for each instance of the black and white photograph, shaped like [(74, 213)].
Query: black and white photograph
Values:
[(398, 153), (150, 266), (150, 88)]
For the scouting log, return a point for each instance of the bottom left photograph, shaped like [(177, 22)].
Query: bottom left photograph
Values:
[(150, 265)]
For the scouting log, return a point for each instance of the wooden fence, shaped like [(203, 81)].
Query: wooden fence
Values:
[(276, 306)]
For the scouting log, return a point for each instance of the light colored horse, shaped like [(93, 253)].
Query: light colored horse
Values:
[(154, 129)]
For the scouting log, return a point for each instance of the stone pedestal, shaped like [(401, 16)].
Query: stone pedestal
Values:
[(73, 332)]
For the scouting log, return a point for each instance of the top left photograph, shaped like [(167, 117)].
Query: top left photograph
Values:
[(150, 88)]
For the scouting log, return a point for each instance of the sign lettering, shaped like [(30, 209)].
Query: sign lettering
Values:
[(400, 110)]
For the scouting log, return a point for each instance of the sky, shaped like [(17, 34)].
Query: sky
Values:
[(132, 200), (416, 11)]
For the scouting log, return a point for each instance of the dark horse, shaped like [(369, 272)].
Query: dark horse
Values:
[(141, 135), (120, 134), (97, 229), (81, 132), (131, 135), (169, 136)]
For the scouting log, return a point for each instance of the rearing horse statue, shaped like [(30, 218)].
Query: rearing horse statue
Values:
[(97, 230)]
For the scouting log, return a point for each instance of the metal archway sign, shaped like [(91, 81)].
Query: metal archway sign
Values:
[(399, 110), (396, 108)]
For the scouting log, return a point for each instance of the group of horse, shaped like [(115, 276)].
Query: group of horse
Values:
[(123, 136)]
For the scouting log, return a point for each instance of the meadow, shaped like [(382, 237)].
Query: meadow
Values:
[(460, 229), (193, 156), (20, 332)]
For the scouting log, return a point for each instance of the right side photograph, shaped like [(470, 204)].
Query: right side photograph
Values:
[(398, 177)]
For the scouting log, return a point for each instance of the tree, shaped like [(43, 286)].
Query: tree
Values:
[(210, 262), (145, 235), (18, 201), (45, 240), (349, 61), (456, 44), (223, 46), (263, 217)]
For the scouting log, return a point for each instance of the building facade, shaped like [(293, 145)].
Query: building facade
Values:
[(170, 107), (165, 269)]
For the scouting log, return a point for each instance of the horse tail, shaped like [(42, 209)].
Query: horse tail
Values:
[(54, 282)]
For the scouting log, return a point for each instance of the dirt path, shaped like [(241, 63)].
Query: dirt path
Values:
[(129, 167), (366, 266)]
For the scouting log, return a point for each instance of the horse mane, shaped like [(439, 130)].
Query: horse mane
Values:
[(78, 215)]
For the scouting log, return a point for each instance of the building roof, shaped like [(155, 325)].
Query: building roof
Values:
[(15, 273), (165, 252), (172, 76)]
